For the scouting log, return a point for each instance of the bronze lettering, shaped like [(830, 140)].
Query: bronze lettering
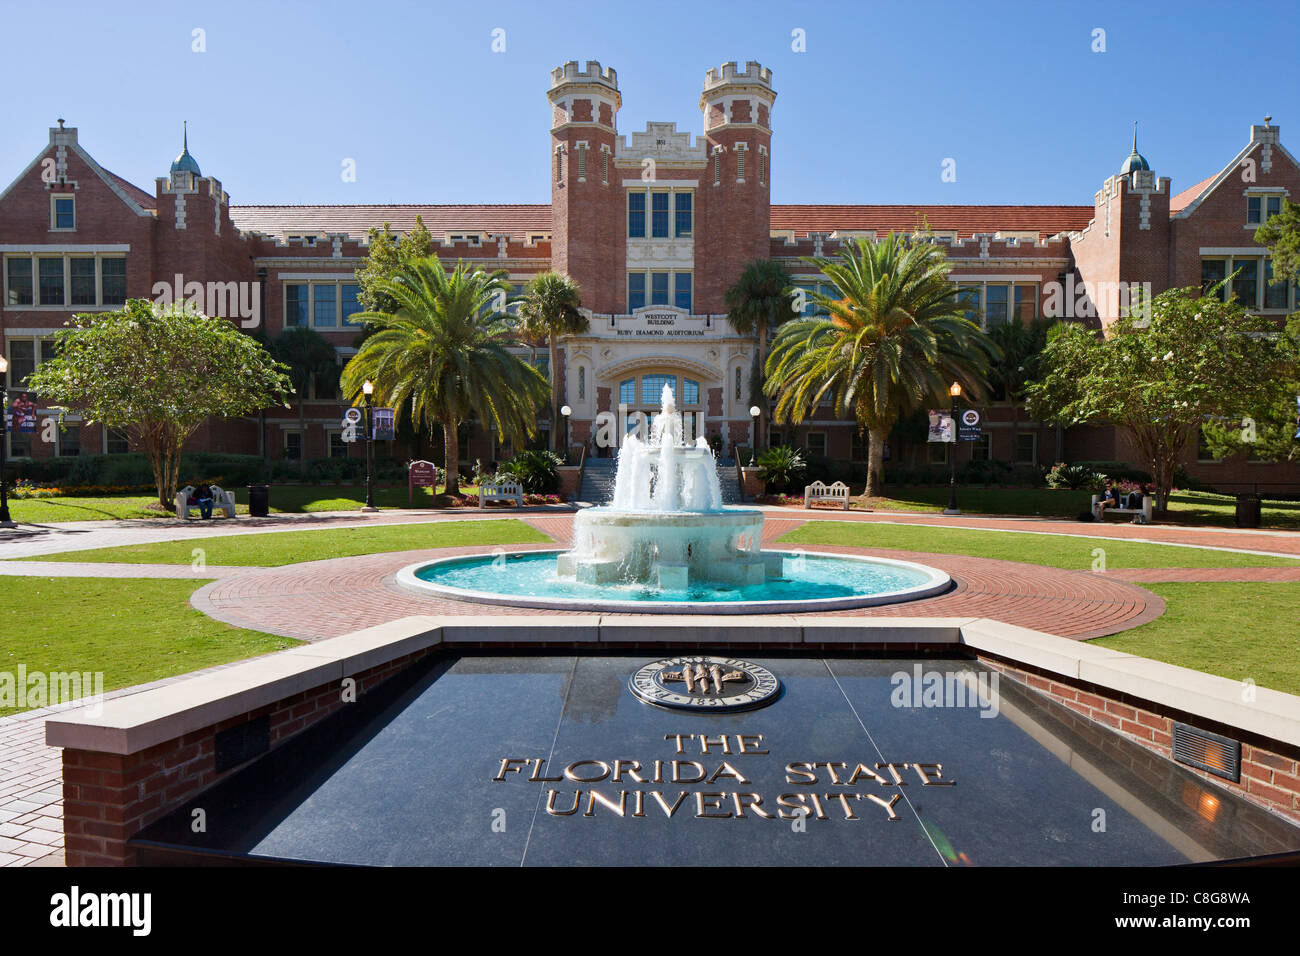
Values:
[(793, 768), (678, 738), (704, 740), (727, 770), (893, 771), (638, 809), (634, 772), (862, 770), (749, 743), (572, 774), (795, 801), (595, 796), (715, 803), (920, 769), (537, 774), (550, 804), (817, 803), (677, 769), (752, 800), (831, 767), (668, 812), (506, 768), (888, 805), (844, 802)]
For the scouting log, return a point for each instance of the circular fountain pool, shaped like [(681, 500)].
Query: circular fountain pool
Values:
[(803, 582)]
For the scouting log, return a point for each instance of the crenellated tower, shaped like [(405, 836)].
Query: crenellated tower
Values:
[(735, 208), (587, 236)]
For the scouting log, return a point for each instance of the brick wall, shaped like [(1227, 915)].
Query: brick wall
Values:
[(108, 798), (1270, 770)]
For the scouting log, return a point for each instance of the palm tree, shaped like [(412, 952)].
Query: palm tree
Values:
[(444, 354), (892, 343), (758, 300), (311, 359), (550, 309)]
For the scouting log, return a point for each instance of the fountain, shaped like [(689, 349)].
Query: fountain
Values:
[(666, 526), (666, 544)]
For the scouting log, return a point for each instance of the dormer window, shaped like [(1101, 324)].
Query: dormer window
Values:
[(63, 213)]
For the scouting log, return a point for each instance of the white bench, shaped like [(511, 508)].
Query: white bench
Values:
[(1140, 515), (505, 491), (221, 501), (837, 493)]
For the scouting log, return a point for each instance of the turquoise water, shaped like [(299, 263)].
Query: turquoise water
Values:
[(805, 578)]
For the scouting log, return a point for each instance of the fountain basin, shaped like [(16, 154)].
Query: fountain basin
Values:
[(805, 581)]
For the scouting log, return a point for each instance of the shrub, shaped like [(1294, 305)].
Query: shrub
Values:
[(1076, 477), (782, 467), (536, 471)]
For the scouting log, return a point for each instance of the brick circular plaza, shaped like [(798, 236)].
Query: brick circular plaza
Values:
[(322, 599)]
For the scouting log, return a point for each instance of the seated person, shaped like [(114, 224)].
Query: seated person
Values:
[(1111, 498), (203, 495)]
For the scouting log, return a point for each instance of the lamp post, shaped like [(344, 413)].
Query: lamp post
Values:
[(754, 412), (955, 391), (566, 411), (368, 389), (5, 520)]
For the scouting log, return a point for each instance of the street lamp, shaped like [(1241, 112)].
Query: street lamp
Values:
[(754, 412), (368, 389), (955, 391), (5, 520), (566, 411)]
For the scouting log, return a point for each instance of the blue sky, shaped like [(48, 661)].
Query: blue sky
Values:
[(882, 95)]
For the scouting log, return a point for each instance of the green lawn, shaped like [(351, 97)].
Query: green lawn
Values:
[(290, 547), (1185, 507), (285, 499), (1238, 631), (131, 630), (1057, 551)]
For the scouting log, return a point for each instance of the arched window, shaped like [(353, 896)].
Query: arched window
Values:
[(690, 392)]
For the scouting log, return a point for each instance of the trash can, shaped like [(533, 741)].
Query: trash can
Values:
[(259, 501), (1248, 507)]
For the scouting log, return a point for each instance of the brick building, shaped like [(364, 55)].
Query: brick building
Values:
[(654, 225)]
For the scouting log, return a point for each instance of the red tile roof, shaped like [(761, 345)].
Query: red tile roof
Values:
[(146, 200), (517, 220), (1188, 196), (966, 220)]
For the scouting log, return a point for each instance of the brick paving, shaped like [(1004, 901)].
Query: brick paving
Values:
[(322, 599)]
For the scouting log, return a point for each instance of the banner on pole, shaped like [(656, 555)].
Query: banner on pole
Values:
[(941, 429), (383, 424)]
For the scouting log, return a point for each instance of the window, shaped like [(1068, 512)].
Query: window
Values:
[(982, 448), (636, 215), (738, 383), (293, 445), (1213, 271), (604, 167), (1203, 452), (762, 166), (968, 295), (1274, 294), (995, 305), (63, 213), (22, 361), (115, 442), (351, 301), (635, 291), (816, 444), (659, 288), (659, 215), (652, 387), (70, 439), (682, 290), (690, 392), (683, 211), (717, 166), (582, 162), (559, 164), (295, 304), (324, 308), (627, 392), (82, 274), (582, 383), (740, 168), (338, 447), (18, 281), (1245, 286), (113, 280), (937, 453), (51, 277), (1260, 208), (1027, 447)]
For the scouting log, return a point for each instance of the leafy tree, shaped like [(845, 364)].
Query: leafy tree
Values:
[(158, 373), (443, 355), (1200, 358), (549, 310), (1270, 433), (1281, 233), (759, 300), (892, 344), (389, 253), (310, 359)]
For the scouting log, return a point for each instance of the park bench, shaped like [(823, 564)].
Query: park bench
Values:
[(1140, 515), (505, 491), (837, 493), (221, 501)]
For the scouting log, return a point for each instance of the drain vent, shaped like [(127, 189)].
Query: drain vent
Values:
[(1200, 748)]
